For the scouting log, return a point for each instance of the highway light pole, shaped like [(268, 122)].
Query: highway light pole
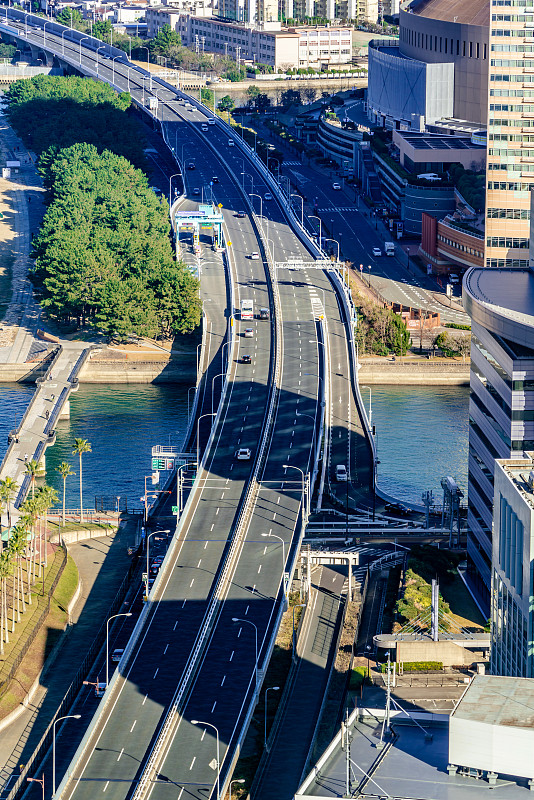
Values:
[(314, 216), (198, 439), (102, 47), (305, 492), (148, 538), (236, 780), (220, 375), (301, 207), (370, 405), (335, 242), (261, 202), (113, 68), (275, 536), (147, 61), (176, 174), (68, 716), (82, 40), (269, 689), (37, 780), (248, 622), (294, 654), (126, 614), (199, 722)]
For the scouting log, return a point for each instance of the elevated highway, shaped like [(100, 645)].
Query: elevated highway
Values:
[(199, 651)]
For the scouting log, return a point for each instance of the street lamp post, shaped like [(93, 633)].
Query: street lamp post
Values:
[(62, 39), (148, 538), (275, 536), (68, 716), (199, 722), (125, 614), (222, 353), (249, 622), (269, 689), (198, 439), (44, 29), (180, 487), (301, 207), (294, 655), (147, 60)]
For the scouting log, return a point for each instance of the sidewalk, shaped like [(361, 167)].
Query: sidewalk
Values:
[(102, 564), (22, 206)]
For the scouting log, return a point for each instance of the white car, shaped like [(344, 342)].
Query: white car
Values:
[(336, 186), (267, 196), (341, 473), (377, 251), (204, 128), (255, 256), (249, 333), (243, 454)]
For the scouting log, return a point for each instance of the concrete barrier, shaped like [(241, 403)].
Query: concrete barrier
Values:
[(418, 373)]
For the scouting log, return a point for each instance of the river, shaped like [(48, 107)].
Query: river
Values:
[(422, 435)]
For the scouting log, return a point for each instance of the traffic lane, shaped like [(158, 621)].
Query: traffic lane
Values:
[(227, 668)]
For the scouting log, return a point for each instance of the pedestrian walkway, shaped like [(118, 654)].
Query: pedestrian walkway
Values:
[(37, 427), (102, 564), (22, 206)]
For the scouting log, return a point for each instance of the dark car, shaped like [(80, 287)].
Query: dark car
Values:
[(215, 179), (246, 359), (241, 214)]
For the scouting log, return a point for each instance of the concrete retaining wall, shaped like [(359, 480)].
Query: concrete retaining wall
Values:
[(427, 373), (448, 653), (172, 370)]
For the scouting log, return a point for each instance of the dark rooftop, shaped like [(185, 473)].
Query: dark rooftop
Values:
[(425, 141)]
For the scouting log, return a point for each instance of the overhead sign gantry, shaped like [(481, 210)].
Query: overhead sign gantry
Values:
[(208, 217)]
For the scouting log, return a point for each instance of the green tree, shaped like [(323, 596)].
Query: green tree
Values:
[(208, 97), (252, 94), (263, 102), (65, 471), (102, 30), (7, 50), (164, 40), (70, 17), (81, 446), (235, 74), (226, 104), (290, 97)]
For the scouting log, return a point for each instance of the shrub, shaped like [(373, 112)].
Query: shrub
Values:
[(418, 666), (358, 677), (457, 326)]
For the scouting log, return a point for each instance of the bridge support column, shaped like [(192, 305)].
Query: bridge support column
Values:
[(65, 411)]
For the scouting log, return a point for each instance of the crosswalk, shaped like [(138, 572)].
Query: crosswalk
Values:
[(340, 210), (293, 163)]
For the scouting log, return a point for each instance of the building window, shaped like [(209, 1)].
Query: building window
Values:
[(511, 545), (463, 48)]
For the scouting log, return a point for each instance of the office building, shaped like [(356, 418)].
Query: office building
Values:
[(501, 410), (512, 613), (270, 43), (510, 168), (437, 69)]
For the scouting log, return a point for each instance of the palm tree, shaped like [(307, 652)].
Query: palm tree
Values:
[(5, 572), (32, 468), (47, 498), (64, 470), (8, 489), (81, 446)]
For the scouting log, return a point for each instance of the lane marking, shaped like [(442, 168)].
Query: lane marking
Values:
[(190, 585), (156, 672), (199, 563), (231, 655), (106, 786), (193, 761), (120, 754), (175, 624), (133, 726), (166, 648), (223, 680), (213, 708), (259, 569), (144, 701)]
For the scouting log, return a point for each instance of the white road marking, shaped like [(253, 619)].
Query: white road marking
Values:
[(212, 526), (166, 648), (223, 680), (106, 786), (190, 585), (205, 544), (193, 761), (175, 624), (156, 672), (199, 563), (231, 655), (120, 754), (259, 569), (213, 707), (144, 701), (133, 726)]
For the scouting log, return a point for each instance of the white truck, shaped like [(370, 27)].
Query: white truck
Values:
[(389, 248), (247, 309)]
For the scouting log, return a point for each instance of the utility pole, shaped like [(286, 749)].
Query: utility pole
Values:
[(346, 739)]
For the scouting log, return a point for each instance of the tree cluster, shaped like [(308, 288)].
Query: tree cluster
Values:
[(103, 255), (50, 112), (380, 331)]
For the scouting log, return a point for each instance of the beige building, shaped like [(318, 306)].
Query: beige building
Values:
[(510, 168), (158, 16), (269, 43)]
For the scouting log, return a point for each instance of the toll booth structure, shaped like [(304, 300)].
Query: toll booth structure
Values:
[(208, 217)]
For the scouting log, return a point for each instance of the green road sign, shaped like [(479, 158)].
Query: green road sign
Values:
[(175, 510)]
